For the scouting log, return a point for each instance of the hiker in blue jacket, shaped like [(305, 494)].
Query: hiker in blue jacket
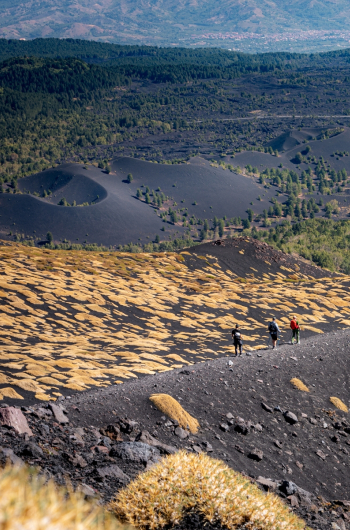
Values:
[(274, 330)]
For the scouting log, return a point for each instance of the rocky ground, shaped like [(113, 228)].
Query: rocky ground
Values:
[(294, 443)]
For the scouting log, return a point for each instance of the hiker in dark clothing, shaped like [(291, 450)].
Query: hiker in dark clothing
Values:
[(237, 339), (274, 330)]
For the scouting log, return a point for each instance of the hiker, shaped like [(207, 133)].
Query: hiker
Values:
[(274, 330), (237, 339), (294, 326)]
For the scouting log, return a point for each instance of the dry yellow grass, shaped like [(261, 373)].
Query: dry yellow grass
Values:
[(186, 481), (172, 408), (27, 503), (38, 347), (339, 404), (299, 384)]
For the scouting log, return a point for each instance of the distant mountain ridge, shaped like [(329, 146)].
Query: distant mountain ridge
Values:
[(165, 22)]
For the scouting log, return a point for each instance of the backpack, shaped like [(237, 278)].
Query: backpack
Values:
[(294, 324), (237, 334), (273, 327)]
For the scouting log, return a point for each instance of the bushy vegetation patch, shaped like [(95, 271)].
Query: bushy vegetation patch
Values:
[(172, 408), (323, 241), (185, 481), (27, 503)]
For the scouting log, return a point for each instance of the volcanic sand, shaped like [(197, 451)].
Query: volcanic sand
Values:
[(116, 215)]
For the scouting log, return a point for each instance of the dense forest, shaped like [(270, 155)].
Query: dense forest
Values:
[(74, 100), (323, 241), (87, 101)]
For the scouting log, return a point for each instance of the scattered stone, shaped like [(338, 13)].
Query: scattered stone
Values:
[(86, 490), (239, 449), (290, 417), (288, 488), (278, 444), (78, 461), (58, 414), (41, 413), (224, 427), (229, 416), (112, 471), (135, 452), (241, 427), (127, 426), (258, 427), (207, 446), (147, 438), (12, 417), (197, 449), (313, 421), (101, 449), (268, 484), (113, 432), (181, 433), (321, 454), (7, 454), (266, 407), (77, 437), (343, 503), (256, 454), (293, 501), (299, 465), (32, 450)]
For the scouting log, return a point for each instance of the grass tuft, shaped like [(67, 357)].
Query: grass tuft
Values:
[(339, 404), (172, 408), (299, 384), (28, 503), (186, 481)]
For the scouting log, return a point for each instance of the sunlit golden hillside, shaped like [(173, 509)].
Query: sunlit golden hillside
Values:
[(74, 320)]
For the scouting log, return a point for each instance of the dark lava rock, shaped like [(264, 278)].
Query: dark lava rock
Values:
[(266, 407), (12, 417), (181, 433), (241, 427), (290, 417), (32, 450), (113, 432), (256, 454), (58, 413), (135, 452), (127, 426), (288, 488), (7, 454), (147, 438), (224, 427), (112, 471), (78, 461), (268, 484)]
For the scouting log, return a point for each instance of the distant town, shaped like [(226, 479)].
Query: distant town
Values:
[(291, 41)]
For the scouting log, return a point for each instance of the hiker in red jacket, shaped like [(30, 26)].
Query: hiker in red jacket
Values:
[(294, 326)]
